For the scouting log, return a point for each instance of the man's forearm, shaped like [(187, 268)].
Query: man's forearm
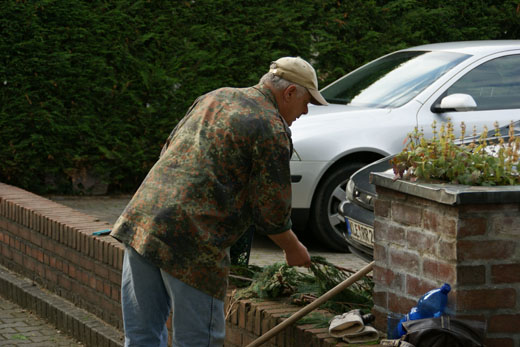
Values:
[(295, 252)]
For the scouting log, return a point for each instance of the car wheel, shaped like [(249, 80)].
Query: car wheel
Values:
[(326, 223)]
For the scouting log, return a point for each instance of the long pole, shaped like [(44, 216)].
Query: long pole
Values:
[(313, 305)]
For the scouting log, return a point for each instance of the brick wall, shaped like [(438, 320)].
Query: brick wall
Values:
[(475, 247), (248, 319), (52, 245)]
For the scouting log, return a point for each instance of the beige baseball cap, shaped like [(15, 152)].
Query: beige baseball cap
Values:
[(297, 70)]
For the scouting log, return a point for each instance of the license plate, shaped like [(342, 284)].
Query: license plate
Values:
[(361, 233)]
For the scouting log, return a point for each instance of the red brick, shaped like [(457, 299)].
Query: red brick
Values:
[(6, 238), (380, 321), (38, 254), (421, 241), (29, 263), (55, 230), (506, 224), (484, 250), (72, 271), (116, 293), (243, 308), (84, 277), (19, 245), (472, 227), (483, 299), (382, 208), (48, 245), (64, 282), (99, 285), (75, 237), (92, 282), (64, 266), (299, 334), (120, 252), (99, 249), (417, 286), (6, 252), (396, 235), (267, 325), (107, 289), (87, 263), (51, 275), (399, 304), (467, 274), (36, 238), (380, 230), (404, 260), (447, 250), (380, 298), (406, 214), (505, 323), (315, 335), (389, 278), (25, 216), (507, 273), (248, 339), (439, 220), (439, 271), (60, 250), (16, 244), (250, 320), (379, 252), (115, 277), (101, 270), (83, 242), (257, 328), (52, 261), (233, 335), (64, 239), (17, 258)]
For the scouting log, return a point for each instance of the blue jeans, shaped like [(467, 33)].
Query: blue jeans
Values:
[(147, 296)]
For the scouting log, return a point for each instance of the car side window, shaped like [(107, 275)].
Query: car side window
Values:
[(495, 85)]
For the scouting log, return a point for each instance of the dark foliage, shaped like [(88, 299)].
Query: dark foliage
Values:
[(96, 86)]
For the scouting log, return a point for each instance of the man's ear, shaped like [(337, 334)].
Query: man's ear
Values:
[(289, 93)]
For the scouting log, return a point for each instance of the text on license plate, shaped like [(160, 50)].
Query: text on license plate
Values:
[(361, 233)]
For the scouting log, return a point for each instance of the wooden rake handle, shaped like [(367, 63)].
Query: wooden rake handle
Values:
[(313, 305)]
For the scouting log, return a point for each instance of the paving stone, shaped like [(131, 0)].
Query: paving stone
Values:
[(19, 327)]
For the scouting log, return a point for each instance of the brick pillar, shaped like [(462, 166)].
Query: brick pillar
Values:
[(469, 237)]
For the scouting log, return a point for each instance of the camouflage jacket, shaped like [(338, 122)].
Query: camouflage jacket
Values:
[(223, 168)]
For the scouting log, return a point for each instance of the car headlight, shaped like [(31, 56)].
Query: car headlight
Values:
[(359, 197), (350, 190)]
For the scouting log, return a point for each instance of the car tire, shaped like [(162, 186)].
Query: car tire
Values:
[(326, 223)]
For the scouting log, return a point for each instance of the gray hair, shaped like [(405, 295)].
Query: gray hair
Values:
[(279, 83)]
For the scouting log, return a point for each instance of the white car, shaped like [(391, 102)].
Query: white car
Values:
[(373, 108)]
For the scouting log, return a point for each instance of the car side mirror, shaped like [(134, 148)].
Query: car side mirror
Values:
[(455, 102)]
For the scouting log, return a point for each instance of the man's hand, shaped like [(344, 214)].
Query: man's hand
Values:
[(298, 256), (295, 252)]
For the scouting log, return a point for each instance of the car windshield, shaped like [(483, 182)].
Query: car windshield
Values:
[(393, 80)]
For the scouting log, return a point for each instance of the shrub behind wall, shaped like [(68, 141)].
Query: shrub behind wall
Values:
[(95, 87)]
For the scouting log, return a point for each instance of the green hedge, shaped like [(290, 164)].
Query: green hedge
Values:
[(98, 85)]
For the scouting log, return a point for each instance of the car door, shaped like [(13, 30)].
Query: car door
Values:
[(494, 84)]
